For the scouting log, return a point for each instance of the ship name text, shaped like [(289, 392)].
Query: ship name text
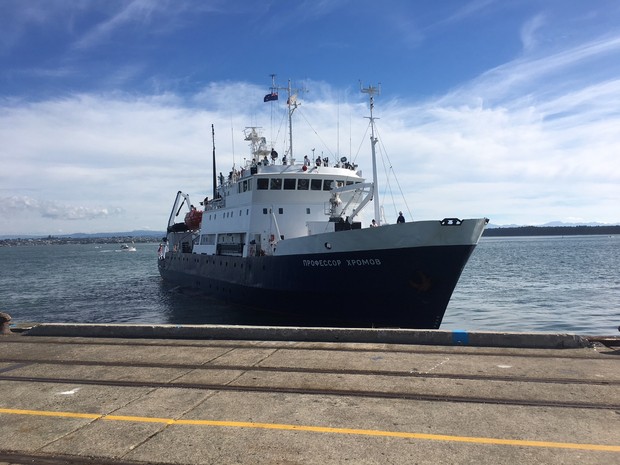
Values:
[(347, 262)]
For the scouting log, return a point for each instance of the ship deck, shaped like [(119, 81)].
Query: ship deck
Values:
[(145, 394)]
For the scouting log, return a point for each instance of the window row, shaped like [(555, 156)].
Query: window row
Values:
[(280, 211), (302, 184), (228, 214)]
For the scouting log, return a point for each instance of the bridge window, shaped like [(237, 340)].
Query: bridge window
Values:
[(262, 184), (289, 184), (302, 184), (316, 184), (276, 184), (327, 184)]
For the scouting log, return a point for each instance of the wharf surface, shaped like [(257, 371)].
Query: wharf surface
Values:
[(131, 394)]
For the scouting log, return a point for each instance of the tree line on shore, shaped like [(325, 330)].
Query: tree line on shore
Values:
[(61, 240)]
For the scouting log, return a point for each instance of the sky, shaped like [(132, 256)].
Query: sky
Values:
[(505, 109)]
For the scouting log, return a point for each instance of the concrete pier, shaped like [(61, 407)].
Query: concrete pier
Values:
[(137, 394)]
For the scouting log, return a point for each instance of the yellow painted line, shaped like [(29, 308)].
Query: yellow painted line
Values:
[(167, 421), (321, 429), (43, 413)]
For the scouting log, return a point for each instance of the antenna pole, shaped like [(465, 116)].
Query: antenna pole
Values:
[(372, 91), (214, 168), (289, 102)]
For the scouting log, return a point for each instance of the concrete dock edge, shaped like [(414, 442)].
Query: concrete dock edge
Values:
[(300, 334)]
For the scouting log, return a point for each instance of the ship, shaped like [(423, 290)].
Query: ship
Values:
[(287, 236)]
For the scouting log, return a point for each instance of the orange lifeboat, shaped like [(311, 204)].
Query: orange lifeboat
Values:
[(193, 219)]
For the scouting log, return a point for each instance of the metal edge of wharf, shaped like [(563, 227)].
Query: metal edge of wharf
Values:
[(313, 334)]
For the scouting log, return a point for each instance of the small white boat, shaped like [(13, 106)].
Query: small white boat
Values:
[(128, 248)]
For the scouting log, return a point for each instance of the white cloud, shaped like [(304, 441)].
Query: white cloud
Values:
[(529, 32), (30, 208), (17, 17), (507, 145), (465, 11), (542, 76), (135, 11), (162, 16)]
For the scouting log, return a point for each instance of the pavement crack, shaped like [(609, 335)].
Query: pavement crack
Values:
[(437, 365), (14, 367)]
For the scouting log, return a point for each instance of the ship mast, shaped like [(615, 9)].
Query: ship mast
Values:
[(372, 91), (214, 167), (291, 103)]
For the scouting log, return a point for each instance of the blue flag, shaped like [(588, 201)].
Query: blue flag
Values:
[(270, 97)]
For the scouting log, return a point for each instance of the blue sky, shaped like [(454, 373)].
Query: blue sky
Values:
[(505, 109)]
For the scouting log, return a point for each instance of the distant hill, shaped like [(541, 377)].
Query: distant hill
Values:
[(580, 230), (137, 233), (551, 224), (549, 229)]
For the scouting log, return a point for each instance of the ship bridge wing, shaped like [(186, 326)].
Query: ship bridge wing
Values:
[(337, 210)]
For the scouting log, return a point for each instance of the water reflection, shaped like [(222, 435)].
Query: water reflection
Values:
[(187, 306)]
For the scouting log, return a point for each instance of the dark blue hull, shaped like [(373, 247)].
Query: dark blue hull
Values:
[(405, 288)]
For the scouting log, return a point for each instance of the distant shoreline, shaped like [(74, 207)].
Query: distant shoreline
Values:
[(552, 231), (63, 240), (490, 232)]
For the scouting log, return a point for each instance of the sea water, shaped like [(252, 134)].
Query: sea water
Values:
[(551, 284)]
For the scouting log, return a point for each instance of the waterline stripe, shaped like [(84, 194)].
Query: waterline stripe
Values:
[(320, 429)]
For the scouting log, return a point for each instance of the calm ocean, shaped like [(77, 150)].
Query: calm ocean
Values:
[(550, 284)]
